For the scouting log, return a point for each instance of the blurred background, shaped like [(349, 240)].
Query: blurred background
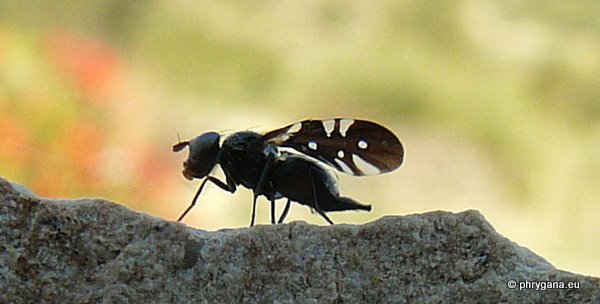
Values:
[(496, 102)]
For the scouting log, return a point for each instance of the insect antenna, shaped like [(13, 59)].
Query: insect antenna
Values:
[(180, 144)]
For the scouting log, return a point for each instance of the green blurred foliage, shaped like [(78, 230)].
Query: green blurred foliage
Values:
[(517, 79)]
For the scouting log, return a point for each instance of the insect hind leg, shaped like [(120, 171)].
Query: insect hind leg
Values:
[(337, 203), (316, 200), (285, 212), (321, 213)]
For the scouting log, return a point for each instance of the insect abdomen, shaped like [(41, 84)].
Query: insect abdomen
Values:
[(344, 203), (305, 182)]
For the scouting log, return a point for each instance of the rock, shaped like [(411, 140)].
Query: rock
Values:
[(95, 251)]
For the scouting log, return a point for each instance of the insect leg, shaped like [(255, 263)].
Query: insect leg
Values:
[(253, 212), (229, 187), (261, 181), (285, 212), (319, 211), (273, 211)]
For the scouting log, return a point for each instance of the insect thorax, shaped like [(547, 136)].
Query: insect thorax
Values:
[(242, 157)]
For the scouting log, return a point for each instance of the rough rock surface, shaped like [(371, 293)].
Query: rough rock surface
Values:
[(95, 251)]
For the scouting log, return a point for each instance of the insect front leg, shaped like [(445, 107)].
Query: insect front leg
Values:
[(229, 187)]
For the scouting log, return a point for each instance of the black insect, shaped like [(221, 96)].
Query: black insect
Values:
[(255, 161)]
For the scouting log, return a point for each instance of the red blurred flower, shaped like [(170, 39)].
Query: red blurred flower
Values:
[(92, 64), (82, 144), (15, 140), (155, 172)]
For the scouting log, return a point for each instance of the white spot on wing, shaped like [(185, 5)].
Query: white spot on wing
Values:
[(295, 128), (340, 154), (312, 145), (328, 125), (364, 166), (363, 144), (345, 125), (344, 167)]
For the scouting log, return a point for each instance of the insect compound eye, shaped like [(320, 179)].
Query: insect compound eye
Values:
[(204, 151), (203, 144)]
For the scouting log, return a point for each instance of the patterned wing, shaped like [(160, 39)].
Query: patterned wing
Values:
[(355, 147)]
